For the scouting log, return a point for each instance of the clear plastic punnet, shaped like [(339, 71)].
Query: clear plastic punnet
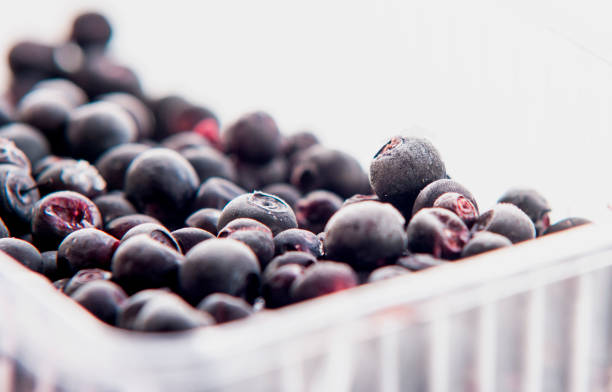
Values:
[(533, 317)]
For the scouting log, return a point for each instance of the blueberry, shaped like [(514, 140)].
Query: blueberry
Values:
[(96, 127), (163, 184), (460, 205), (254, 137), (155, 231), (366, 235), (319, 168), (267, 209), (59, 214), (169, 313), (387, 272), (314, 210), (78, 176), (49, 265), (47, 162), (437, 231), (18, 195), (305, 259), (297, 240), (174, 114), (419, 261), (48, 111), (531, 203), (69, 90), (85, 249), (209, 162), (140, 113), (188, 237), (100, 74), (225, 308), (23, 252), (84, 276), (508, 220), (215, 193), (129, 309), (434, 190), (565, 224), (10, 154), (113, 205), (101, 298), (289, 193), (119, 226), (28, 139), (184, 140), (205, 219), (298, 142), (113, 164), (322, 278), (277, 282), (32, 57), (484, 241), (220, 265), (141, 263), (256, 235), (91, 30), (402, 168)]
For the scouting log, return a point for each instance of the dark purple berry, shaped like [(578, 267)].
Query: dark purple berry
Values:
[(91, 30), (70, 91), (255, 234), (565, 224), (297, 240), (225, 308), (155, 231), (113, 205), (254, 176), (220, 265), (28, 139), (322, 278), (267, 209), (277, 282), (85, 249), (119, 226), (508, 220), (49, 265), (10, 154), (437, 231), (460, 205), (101, 298), (253, 138), (140, 113), (188, 237), (23, 252), (314, 210), (169, 313), (18, 196), (84, 276), (484, 241), (215, 193), (184, 140), (305, 259), (209, 162), (113, 164), (129, 309), (433, 191), (531, 203), (205, 219), (77, 176), (366, 235)]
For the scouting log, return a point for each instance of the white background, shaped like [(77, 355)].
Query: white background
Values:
[(513, 93)]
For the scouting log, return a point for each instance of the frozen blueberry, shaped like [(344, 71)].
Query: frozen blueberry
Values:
[(209, 162), (100, 74), (174, 114), (188, 237), (113, 205), (484, 241), (205, 219), (323, 168), (163, 184), (101, 298), (169, 313), (460, 205), (140, 113), (185, 140), (531, 203), (68, 175), (10, 154), (32, 57), (289, 193), (154, 230), (225, 308), (28, 139), (59, 214), (434, 190), (437, 231), (141, 263), (297, 240), (267, 209), (220, 265), (18, 195), (387, 272), (277, 282), (84, 249), (402, 168), (305, 259), (129, 309), (84, 276), (91, 30), (254, 176), (322, 278), (96, 127), (119, 226), (254, 234), (253, 138), (419, 261), (23, 252), (49, 265), (113, 164), (314, 210), (296, 143), (565, 224), (366, 235), (508, 220), (215, 193)]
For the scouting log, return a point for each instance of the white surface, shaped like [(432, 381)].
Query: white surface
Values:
[(513, 93)]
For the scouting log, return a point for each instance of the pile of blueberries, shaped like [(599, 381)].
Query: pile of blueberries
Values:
[(151, 218)]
